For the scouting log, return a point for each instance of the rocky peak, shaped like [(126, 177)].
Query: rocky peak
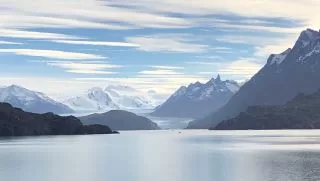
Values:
[(198, 99), (308, 35), (182, 90), (214, 81), (278, 58), (218, 79), (308, 38)]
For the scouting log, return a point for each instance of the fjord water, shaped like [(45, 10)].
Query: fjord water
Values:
[(184, 155)]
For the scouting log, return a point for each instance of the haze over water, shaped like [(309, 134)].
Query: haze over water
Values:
[(164, 156)]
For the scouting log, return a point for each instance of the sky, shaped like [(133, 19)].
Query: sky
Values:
[(63, 47)]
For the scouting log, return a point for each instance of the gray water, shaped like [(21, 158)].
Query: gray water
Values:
[(170, 123), (164, 156)]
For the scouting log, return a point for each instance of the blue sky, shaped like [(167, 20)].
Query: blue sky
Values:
[(64, 47)]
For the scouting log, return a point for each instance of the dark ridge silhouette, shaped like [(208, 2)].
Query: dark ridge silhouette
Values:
[(120, 120), (16, 122), (300, 113)]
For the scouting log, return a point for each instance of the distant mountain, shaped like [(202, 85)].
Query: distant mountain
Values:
[(95, 99), (113, 97), (300, 113), (129, 98), (16, 122), (198, 99), (31, 101), (294, 71), (120, 120)]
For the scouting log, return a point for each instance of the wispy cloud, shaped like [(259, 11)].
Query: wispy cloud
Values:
[(246, 39), (267, 9), (203, 63), (274, 29), (86, 14), (209, 57), (14, 33), (160, 72), (10, 43), (84, 67), (276, 46), (166, 67), (240, 68), (16, 19), (52, 54), (98, 43), (168, 43), (264, 45), (221, 48)]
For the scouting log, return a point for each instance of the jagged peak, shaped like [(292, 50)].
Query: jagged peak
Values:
[(218, 78), (310, 33), (195, 84), (215, 80), (308, 36), (286, 52), (278, 58), (182, 90)]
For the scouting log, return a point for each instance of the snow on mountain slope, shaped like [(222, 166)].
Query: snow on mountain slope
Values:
[(95, 99), (308, 36), (205, 91), (278, 58), (31, 101), (232, 86), (113, 97), (198, 99), (129, 98)]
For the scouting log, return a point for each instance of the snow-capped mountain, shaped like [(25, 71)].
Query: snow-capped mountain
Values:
[(31, 101), (129, 98), (296, 70), (198, 99), (113, 97), (95, 99)]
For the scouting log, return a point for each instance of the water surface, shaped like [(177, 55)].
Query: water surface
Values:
[(164, 156)]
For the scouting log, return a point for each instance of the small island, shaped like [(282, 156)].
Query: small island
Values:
[(120, 120), (16, 122)]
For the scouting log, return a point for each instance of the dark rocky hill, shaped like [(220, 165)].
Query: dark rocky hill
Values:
[(16, 122), (303, 112), (120, 120)]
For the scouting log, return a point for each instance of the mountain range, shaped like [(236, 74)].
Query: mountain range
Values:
[(197, 99), (113, 97), (96, 99), (31, 101), (284, 76)]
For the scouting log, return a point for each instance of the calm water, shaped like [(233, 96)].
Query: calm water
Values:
[(164, 156), (163, 122), (170, 123)]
